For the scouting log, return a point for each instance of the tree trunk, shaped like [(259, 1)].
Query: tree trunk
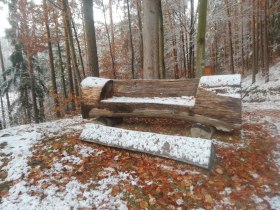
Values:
[(162, 71), (201, 30), (33, 86), (230, 37), (150, 39), (191, 45), (141, 33), (265, 41), (3, 123), (69, 68), (242, 39), (254, 63), (4, 79), (90, 38), (112, 30), (70, 39), (51, 62), (131, 40), (79, 49)]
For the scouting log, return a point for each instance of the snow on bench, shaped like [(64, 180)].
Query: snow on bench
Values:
[(194, 151), (188, 101)]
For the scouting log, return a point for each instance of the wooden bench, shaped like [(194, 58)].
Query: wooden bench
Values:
[(212, 100)]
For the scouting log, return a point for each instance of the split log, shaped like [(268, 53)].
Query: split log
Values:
[(202, 131), (194, 151)]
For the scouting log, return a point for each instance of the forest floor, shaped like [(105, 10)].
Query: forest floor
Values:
[(46, 166)]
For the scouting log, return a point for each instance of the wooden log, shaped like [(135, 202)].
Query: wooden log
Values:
[(219, 97), (198, 152)]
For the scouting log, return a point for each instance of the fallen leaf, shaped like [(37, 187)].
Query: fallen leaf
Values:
[(115, 190), (208, 198), (143, 204)]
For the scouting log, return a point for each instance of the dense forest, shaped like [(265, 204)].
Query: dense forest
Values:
[(51, 46)]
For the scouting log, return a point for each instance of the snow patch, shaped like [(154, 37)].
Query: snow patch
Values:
[(91, 82)]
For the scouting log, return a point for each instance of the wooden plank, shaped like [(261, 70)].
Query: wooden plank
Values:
[(194, 151), (155, 88)]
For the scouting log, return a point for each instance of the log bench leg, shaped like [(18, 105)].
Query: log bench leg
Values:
[(109, 121), (202, 131)]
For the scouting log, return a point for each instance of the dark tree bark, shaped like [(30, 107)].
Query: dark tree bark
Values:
[(79, 49), (254, 62), (141, 32), (230, 37), (69, 67), (162, 71), (131, 40), (92, 57), (51, 62)]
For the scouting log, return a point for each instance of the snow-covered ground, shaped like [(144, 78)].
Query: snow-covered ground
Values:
[(42, 166)]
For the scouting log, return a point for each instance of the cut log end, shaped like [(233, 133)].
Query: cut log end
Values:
[(202, 131), (109, 121)]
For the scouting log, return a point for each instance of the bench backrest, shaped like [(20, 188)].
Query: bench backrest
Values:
[(154, 88)]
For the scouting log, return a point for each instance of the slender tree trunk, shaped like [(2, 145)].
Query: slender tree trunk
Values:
[(112, 30), (4, 79), (3, 113), (191, 45), (51, 62), (61, 66), (230, 37), (201, 30), (141, 33), (69, 68), (109, 41), (242, 39), (150, 39), (33, 86), (266, 53), (70, 38), (131, 40), (162, 71), (90, 38), (254, 63), (79, 49)]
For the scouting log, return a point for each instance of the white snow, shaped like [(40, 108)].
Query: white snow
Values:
[(188, 101), (91, 82), (223, 85), (220, 80), (192, 150)]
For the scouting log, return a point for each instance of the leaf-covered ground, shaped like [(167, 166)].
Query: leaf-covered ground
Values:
[(66, 172)]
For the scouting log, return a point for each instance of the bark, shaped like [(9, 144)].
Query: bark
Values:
[(33, 86), (242, 39), (151, 39), (92, 57), (4, 79), (231, 53), (254, 62), (191, 45), (266, 43), (70, 39), (201, 30), (51, 61), (141, 33), (112, 30), (162, 71), (131, 40), (69, 67), (79, 49), (3, 123)]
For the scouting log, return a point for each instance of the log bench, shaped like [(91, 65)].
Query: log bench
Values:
[(211, 100)]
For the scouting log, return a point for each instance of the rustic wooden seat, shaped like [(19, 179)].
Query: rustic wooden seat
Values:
[(211, 100)]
